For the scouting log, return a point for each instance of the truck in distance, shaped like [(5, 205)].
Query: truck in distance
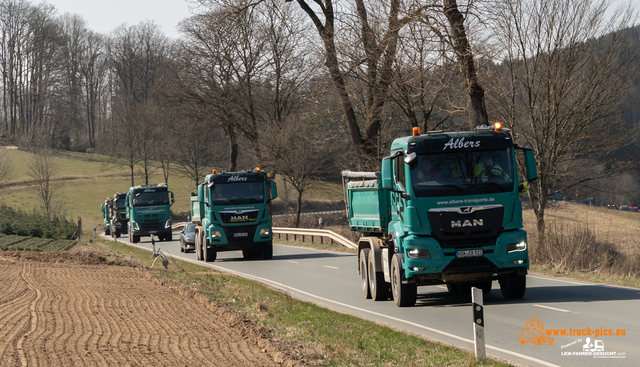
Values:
[(231, 212), (106, 216), (148, 210), (119, 221), (445, 209)]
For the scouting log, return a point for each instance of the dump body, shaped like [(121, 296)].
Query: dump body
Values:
[(232, 213), (445, 209), (148, 209)]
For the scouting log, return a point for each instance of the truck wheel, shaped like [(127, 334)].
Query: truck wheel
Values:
[(267, 251), (116, 234), (404, 295), (136, 239), (364, 278), (513, 286), (209, 253), (377, 286), (452, 288), (198, 245), (169, 237), (107, 232)]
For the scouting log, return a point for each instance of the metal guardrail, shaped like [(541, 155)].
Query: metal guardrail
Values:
[(309, 213), (320, 233)]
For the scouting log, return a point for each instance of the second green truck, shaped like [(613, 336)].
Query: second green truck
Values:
[(231, 212)]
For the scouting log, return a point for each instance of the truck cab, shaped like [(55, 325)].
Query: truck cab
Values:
[(106, 216), (231, 212), (118, 210), (148, 209)]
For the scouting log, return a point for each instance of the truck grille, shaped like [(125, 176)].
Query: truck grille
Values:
[(466, 226)]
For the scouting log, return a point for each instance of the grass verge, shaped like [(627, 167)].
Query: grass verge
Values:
[(312, 334)]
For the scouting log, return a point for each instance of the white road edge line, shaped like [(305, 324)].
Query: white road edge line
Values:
[(331, 267), (552, 308), (289, 289), (558, 280)]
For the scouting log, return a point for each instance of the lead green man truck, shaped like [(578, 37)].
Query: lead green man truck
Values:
[(445, 209)]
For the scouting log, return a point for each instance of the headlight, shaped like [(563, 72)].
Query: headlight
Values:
[(515, 247), (167, 224), (264, 231), (216, 234), (135, 225), (415, 253)]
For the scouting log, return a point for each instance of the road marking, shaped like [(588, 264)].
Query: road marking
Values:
[(291, 261), (558, 280), (331, 267), (362, 310), (551, 308)]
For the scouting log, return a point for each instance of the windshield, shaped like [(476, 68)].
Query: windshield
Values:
[(120, 203), (462, 173), (149, 197), (190, 228), (238, 193)]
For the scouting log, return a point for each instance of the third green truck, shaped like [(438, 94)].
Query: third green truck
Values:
[(444, 209)]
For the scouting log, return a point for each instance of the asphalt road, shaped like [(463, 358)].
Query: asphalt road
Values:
[(578, 309)]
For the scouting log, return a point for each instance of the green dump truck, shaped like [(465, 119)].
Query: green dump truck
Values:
[(148, 209), (106, 216), (118, 211), (445, 209), (231, 212)]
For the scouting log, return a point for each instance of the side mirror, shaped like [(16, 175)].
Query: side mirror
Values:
[(530, 165), (387, 174), (274, 190), (201, 192), (172, 199)]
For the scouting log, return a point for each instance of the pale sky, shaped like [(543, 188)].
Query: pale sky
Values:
[(105, 15)]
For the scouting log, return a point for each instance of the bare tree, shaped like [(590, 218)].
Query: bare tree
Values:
[(561, 88), (303, 152), (42, 171)]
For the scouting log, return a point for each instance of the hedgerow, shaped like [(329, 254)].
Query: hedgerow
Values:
[(19, 223)]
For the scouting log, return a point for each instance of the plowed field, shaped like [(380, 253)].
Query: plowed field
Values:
[(59, 314)]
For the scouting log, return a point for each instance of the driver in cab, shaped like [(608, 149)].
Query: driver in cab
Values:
[(487, 169)]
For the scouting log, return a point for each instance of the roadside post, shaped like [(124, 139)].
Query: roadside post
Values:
[(95, 232), (478, 323)]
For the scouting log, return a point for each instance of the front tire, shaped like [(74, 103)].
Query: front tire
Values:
[(404, 295), (364, 278), (267, 251), (210, 254), (513, 286)]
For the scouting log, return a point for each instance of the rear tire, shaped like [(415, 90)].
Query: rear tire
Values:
[(169, 237), (364, 278), (378, 288), (485, 286), (513, 286), (107, 232), (404, 295)]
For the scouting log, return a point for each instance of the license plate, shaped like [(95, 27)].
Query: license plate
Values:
[(152, 232), (469, 253), (241, 234)]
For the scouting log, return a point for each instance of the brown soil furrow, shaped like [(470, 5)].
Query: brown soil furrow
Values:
[(15, 319), (106, 315), (24, 356)]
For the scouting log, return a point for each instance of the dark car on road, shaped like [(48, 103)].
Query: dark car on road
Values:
[(188, 238)]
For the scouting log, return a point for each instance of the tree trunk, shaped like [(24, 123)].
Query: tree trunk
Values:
[(477, 109), (299, 209)]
